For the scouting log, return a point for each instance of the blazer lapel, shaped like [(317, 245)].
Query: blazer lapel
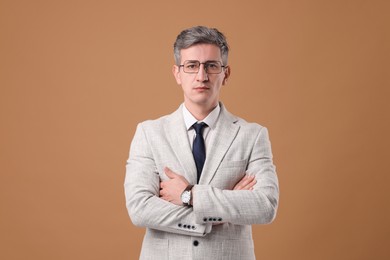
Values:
[(225, 132), (178, 139)]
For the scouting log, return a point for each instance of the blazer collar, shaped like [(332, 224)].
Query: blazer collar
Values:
[(177, 136), (225, 132)]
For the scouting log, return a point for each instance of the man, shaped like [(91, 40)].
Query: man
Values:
[(197, 179)]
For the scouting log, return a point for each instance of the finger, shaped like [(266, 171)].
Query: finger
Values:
[(169, 173), (254, 181), (245, 181), (239, 185), (251, 184), (165, 198)]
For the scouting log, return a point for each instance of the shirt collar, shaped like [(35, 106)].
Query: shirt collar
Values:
[(210, 120)]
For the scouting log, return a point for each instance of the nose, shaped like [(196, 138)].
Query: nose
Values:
[(202, 74)]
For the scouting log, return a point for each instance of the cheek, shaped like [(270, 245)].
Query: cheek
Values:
[(185, 85), (219, 83), (186, 82)]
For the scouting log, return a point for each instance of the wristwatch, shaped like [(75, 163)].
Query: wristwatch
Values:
[(186, 195)]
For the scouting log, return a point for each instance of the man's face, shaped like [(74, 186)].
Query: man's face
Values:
[(201, 89)]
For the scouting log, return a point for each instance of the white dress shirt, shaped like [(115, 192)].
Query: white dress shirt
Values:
[(210, 120)]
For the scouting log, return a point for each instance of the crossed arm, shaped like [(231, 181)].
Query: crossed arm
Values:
[(155, 204), (171, 189)]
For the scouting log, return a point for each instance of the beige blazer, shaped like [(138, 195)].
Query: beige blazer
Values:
[(218, 226)]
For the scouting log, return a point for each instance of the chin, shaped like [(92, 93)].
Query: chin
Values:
[(202, 101)]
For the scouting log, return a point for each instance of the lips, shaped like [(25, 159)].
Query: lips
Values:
[(201, 88)]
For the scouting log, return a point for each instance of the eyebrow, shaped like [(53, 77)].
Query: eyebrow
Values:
[(202, 62)]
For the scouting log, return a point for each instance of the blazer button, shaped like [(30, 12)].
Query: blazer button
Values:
[(205, 220), (196, 243), (220, 219), (179, 225)]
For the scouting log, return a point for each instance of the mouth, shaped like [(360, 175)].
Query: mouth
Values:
[(201, 88)]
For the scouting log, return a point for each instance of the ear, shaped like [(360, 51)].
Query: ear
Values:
[(176, 74), (227, 75)]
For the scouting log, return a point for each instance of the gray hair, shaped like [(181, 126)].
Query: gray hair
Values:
[(198, 35)]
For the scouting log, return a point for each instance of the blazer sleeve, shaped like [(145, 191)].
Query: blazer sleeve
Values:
[(243, 207), (142, 185)]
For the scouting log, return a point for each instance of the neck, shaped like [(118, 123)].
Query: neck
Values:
[(200, 112)]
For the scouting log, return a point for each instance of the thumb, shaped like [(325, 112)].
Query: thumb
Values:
[(169, 173)]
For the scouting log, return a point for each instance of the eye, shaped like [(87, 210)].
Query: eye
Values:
[(191, 65), (212, 65)]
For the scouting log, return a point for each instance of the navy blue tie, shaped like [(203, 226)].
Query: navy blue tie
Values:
[(198, 148)]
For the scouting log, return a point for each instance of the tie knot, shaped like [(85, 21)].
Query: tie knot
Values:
[(198, 127)]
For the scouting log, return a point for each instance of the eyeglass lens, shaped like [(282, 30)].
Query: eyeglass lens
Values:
[(212, 67)]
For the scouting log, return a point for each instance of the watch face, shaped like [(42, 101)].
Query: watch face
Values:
[(186, 196)]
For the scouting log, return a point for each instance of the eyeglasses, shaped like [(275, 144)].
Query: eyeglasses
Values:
[(211, 67)]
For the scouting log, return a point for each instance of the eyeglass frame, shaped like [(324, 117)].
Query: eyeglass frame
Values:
[(204, 66)]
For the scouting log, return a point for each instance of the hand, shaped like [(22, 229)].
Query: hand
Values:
[(170, 190), (246, 183)]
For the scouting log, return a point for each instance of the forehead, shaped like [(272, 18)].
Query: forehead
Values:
[(201, 52)]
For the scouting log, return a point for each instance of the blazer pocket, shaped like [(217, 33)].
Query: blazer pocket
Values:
[(229, 174), (229, 164)]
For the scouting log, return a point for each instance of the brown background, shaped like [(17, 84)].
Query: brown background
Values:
[(77, 76)]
